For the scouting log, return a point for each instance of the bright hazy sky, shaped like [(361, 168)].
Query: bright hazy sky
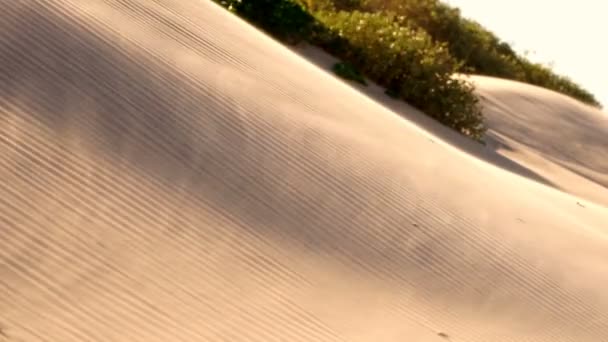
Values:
[(572, 34)]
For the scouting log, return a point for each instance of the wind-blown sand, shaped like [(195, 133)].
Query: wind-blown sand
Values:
[(168, 173)]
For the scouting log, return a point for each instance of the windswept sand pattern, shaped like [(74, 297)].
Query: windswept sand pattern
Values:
[(169, 173)]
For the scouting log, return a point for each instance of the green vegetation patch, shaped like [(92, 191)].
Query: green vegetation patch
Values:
[(407, 62), (286, 20)]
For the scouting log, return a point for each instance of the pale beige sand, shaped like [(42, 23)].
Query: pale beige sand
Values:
[(170, 174), (550, 133)]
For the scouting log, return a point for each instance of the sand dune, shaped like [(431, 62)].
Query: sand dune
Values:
[(552, 134), (168, 173)]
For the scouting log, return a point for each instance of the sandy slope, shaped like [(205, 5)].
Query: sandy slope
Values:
[(550, 133), (170, 174)]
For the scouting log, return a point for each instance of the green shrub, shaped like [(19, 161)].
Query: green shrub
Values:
[(406, 62), (286, 20), (347, 71)]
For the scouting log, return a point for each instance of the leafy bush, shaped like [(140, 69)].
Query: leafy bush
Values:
[(407, 62), (284, 19), (347, 71)]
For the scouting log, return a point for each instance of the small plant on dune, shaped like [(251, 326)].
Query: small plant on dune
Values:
[(347, 71), (406, 62)]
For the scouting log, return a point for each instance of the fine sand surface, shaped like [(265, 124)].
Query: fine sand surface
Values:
[(169, 173)]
